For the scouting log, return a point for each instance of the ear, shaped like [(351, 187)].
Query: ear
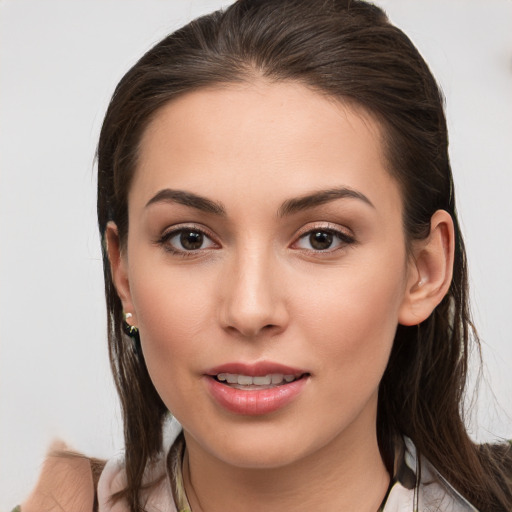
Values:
[(430, 271), (119, 269)]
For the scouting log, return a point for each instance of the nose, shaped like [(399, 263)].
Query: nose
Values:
[(253, 296)]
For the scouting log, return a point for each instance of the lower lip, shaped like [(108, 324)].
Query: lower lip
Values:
[(254, 402)]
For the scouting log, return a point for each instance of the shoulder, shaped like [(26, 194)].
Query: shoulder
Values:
[(66, 482)]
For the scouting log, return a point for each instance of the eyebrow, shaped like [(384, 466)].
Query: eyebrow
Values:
[(295, 205), (168, 195), (289, 207)]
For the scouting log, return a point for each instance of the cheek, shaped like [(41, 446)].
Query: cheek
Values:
[(172, 312), (357, 329), (355, 315)]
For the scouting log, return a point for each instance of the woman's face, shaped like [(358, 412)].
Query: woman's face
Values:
[(266, 270)]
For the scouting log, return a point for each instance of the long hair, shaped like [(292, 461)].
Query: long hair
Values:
[(346, 50)]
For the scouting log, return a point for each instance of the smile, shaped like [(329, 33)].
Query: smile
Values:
[(255, 389), (248, 382)]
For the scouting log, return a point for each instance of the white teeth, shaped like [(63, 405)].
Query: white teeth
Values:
[(247, 380), (262, 381)]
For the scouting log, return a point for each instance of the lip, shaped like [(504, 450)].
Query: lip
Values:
[(255, 402), (255, 369)]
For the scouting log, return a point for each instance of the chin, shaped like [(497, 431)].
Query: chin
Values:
[(264, 445), (261, 455)]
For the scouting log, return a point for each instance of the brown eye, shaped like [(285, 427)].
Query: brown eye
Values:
[(191, 240), (321, 240), (186, 240), (324, 240)]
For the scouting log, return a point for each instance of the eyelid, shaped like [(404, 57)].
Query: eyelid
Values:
[(324, 226), (172, 231), (345, 235)]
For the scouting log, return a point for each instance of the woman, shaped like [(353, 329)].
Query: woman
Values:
[(285, 273)]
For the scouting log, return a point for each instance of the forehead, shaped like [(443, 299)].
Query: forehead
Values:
[(272, 138)]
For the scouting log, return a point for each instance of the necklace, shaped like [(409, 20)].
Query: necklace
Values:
[(187, 483)]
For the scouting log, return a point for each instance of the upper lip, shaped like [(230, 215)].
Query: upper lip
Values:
[(258, 369)]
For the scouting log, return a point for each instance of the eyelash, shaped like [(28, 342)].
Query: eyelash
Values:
[(165, 239), (343, 238)]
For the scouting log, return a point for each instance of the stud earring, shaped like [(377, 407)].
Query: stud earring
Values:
[(129, 329)]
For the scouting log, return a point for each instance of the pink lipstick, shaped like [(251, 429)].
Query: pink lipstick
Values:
[(255, 389)]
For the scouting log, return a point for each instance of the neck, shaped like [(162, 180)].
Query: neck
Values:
[(346, 475)]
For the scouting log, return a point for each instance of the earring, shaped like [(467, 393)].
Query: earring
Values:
[(131, 330)]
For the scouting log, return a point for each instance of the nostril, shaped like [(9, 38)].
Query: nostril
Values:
[(254, 331)]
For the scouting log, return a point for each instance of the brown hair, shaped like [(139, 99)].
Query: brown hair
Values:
[(346, 50)]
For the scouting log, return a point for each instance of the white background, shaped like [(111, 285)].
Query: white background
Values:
[(60, 61)]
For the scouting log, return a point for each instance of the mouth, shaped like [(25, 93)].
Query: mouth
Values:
[(249, 382), (255, 389)]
